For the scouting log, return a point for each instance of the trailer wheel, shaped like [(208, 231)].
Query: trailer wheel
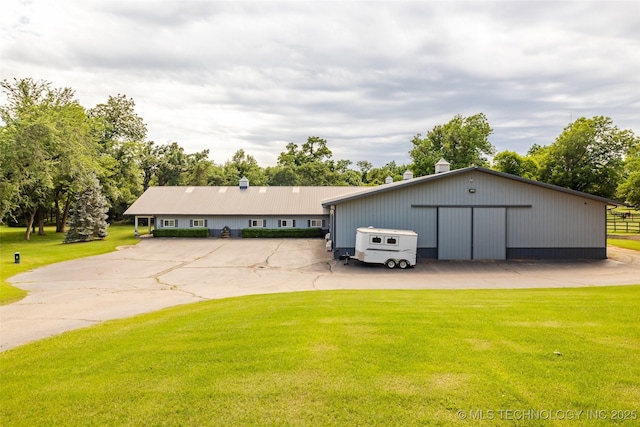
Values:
[(390, 263), (403, 264)]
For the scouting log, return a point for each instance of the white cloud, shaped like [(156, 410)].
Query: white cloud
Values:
[(366, 76)]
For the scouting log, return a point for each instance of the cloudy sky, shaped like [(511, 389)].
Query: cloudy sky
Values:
[(366, 76)]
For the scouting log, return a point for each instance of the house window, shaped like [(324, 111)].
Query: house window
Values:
[(287, 223), (168, 222), (256, 223), (316, 223), (199, 223)]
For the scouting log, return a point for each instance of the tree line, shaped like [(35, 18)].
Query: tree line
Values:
[(52, 148)]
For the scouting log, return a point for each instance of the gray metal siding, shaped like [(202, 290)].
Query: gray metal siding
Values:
[(489, 233), (454, 233), (536, 217)]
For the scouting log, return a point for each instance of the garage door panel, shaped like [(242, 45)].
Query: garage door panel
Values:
[(454, 233), (489, 233)]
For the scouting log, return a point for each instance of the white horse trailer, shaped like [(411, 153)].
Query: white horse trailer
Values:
[(393, 248)]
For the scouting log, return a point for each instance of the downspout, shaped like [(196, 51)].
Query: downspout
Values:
[(332, 227)]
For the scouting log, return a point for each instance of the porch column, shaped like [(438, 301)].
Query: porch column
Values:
[(135, 227)]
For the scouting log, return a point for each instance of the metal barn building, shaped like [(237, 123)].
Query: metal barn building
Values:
[(477, 213), (464, 214)]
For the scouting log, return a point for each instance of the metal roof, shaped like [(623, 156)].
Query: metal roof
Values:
[(394, 185), (233, 200)]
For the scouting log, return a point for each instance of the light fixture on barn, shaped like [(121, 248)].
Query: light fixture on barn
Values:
[(472, 189)]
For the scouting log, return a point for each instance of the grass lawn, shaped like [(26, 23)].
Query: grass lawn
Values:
[(343, 358), (44, 250), (625, 243)]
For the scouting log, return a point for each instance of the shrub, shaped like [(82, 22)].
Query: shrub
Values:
[(181, 232), (282, 232)]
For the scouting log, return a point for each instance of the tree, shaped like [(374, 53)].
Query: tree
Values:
[(282, 176), (88, 218), (311, 164), (588, 156), (629, 189), (314, 150), (120, 132), (118, 121), (515, 164), (46, 146), (378, 176), (243, 165), (172, 162), (464, 141), (199, 169)]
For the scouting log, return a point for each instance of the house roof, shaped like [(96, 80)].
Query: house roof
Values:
[(368, 191), (232, 200)]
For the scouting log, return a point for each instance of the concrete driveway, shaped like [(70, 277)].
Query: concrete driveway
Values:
[(160, 273)]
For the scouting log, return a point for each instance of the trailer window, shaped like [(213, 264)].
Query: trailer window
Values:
[(376, 239), (392, 241)]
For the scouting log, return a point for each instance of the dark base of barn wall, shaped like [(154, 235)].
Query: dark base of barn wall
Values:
[(513, 253), (556, 253)]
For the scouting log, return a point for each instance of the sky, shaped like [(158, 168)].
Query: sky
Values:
[(366, 76)]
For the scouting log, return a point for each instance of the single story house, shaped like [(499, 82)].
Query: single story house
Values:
[(236, 207), (464, 214)]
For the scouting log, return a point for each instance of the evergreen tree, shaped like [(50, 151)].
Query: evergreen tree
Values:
[(88, 217)]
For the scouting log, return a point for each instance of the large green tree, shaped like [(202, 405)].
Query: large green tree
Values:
[(46, 148), (463, 141), (588, 156), (121, 133), (311, 164), (515, 164), (629, 189)]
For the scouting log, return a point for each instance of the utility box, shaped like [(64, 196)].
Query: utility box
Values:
[(16, 257), (393, 248)]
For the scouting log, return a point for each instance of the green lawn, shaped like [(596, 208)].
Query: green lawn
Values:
[(342, 358), (44, 250), (625, 243)]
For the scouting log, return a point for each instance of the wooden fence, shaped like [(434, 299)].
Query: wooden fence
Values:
[(614, 226), (626, 221)]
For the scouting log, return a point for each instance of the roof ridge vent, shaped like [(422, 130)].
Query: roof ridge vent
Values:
[(443, 166), (388, 180), (244, 183), (407, 175)]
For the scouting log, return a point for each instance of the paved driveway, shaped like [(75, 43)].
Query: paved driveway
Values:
[(159, 273)]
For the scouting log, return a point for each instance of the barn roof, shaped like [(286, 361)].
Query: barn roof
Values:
[(233, 200), (368, 191)]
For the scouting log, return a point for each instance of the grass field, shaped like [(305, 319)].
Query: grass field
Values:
[(624, 243), (44, 250), (343, 358)]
